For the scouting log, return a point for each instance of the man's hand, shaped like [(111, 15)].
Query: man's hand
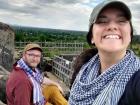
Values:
[(47, 81)]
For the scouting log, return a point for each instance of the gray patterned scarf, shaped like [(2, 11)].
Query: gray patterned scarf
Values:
[(90, 88), (36, 79)]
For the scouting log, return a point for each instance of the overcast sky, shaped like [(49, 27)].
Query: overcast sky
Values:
[(57, 14)]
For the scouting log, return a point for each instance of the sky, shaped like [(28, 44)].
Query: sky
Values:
[(57, 14)]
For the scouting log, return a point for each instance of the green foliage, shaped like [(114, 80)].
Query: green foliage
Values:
[(30, 34), (136, 39), (136, 48), (50, 53), (53, 35)]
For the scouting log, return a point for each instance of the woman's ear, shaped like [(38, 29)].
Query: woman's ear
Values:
[(92, 41)]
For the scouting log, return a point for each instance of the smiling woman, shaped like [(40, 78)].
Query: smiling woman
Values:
[(111, 32), (111, 76)]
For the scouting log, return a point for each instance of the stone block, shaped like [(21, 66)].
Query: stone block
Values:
[(6, 46)]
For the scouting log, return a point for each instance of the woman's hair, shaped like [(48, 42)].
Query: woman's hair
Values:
[(81, 60), (89, 35)]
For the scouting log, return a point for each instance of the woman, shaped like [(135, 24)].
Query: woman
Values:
[(111, 77)]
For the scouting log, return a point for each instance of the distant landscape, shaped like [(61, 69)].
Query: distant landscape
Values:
[(45, 34), (32, 34)]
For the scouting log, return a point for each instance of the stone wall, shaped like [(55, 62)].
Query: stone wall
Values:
[(6, 46), (6, 57)]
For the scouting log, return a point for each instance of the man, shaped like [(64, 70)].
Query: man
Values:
[(24, 84)]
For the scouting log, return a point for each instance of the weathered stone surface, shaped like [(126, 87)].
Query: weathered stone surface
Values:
[(6, 57), (1, 103), (3, 71), (3, 88), (6, 46)]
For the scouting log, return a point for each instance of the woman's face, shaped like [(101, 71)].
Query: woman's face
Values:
[(111, 32)]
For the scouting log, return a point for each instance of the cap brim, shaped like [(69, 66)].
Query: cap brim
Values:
[(110, 4)]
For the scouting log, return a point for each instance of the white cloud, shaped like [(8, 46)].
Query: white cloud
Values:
[(62, 14)]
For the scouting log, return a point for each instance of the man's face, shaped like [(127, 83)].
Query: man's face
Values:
[(32, 58)]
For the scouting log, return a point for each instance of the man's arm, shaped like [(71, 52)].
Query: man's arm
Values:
[(47, 81), (23, 93)]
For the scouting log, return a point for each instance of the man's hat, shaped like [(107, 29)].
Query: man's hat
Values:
[(32, 46)]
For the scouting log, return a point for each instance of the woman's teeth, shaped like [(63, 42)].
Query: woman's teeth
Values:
[(111, 37)]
